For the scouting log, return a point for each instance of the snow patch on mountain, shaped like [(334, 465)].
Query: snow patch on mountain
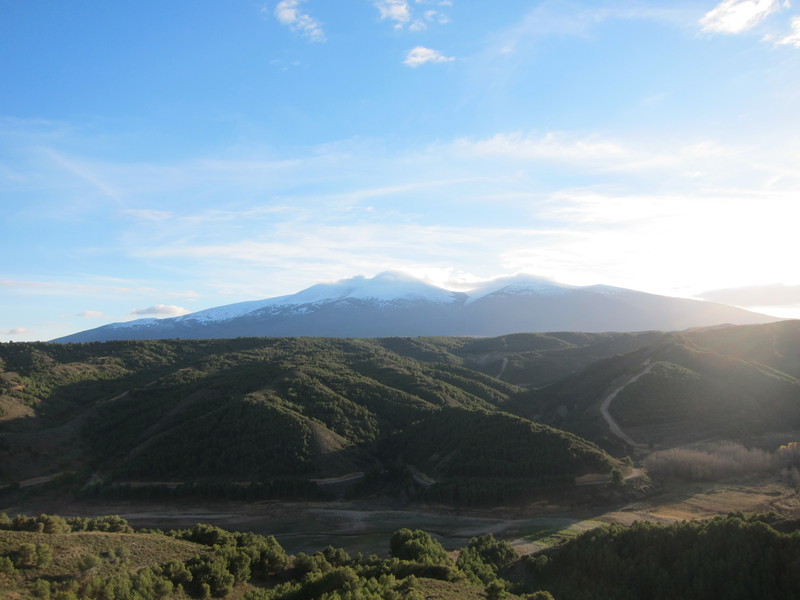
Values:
[(134, 323), (391, 286), (381, 289), (227, 312), (609, 290), (518, 285)]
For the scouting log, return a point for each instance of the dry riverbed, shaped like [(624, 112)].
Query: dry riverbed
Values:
[(360, 527)]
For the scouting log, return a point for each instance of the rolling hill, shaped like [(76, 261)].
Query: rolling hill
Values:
[(258, 410), (713, 383), (450, 413)]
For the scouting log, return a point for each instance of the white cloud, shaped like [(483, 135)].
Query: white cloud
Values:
[(793, 39), (161, 310), (91, 314), (69, 288), (653, 241), (738, 16), (552, 145), (394, 10), (15, 331), (402, 13), (421, 55), (556, 204), (190, 295), (288, 13)]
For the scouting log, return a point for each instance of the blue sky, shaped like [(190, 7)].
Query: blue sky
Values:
[(158, 158)]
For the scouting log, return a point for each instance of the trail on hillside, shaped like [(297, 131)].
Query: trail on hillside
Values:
[(502, 368), (331, 480), (606, 404)]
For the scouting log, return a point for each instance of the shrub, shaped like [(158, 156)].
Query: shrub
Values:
[(416, 545)]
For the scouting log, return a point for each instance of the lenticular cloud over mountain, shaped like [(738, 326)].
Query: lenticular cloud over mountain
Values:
[(395, 304)]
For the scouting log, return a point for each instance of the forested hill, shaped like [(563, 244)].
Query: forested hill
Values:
[(282, 409), (452, 410), (728, 382)]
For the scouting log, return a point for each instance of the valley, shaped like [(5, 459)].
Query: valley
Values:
[(365, 526)]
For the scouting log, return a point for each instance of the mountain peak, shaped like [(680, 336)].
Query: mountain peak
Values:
[(521, 284), (389, 286)]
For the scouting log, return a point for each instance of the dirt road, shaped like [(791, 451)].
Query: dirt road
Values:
[(606, 404), (502, 368)]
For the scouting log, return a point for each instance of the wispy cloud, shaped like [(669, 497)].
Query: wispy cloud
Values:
[(584, 236), (776, 294), (551, 145), (791, 39), (738, 16), (15, 331), (83, 171), (92, 314), (289, 13), (422, 55), (189, 295), (160, 310), (597, 153), (570, 205), (148, 214), (415, 18), (68, 288), (28, 285), (394, 10), (568, 19)]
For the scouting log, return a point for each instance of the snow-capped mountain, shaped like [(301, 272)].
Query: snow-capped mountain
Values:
[(395, 304), (382, 289)]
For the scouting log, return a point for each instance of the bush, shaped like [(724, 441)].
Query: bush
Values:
[(7, 566), (484, 556), (89, 562), (417, 545)]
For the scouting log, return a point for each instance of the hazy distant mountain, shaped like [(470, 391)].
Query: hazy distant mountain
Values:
[(393, 304)]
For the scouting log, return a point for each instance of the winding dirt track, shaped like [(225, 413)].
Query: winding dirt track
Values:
[(502, 368), (604, 406), (331, 480)]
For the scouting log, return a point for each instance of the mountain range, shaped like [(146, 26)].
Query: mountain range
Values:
[(395, 304)]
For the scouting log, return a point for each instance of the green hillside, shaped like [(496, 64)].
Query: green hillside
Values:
[(440, 412), (734, 557), (476, 457), (724, 382), (262, 410), (535, 359)]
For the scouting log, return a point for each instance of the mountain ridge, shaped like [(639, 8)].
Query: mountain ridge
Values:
[(394, 304)]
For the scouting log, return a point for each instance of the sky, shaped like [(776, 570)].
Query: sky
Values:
[(160, 158)]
